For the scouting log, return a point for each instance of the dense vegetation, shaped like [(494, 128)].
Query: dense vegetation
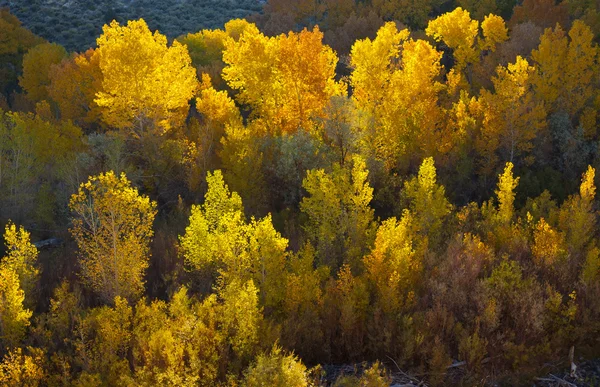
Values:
[(76, 24), (239, 205)]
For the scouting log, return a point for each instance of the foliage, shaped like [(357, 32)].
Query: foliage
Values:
[(419, 200), (112, 227), (276, 369), (146, 85)]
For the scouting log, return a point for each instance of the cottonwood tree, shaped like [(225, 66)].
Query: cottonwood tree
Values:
[(146, 84), (287, 80), (14, 318), (21, 256), (36, 67), (112, 226)]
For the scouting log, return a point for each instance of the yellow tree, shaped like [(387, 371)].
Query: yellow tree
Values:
[(513, 118), (219, 237), (464, 36), (277, 369), (102, 340), (26, 157), (146, 84), (577, 218), (567, 71), (73, 86), (112, 226), (22, 258), (340, 222), (176, 343), (241, 316), (395, 79), (285, 80), (36, 68), (392, 267), (303, 302), (19, 369), (207, 46), (506, 195), (219, 113), (428, 203), (14, 318)]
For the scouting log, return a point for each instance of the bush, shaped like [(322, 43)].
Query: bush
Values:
[(277, 370)]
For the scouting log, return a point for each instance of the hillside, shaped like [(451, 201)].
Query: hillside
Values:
[(75, 24)]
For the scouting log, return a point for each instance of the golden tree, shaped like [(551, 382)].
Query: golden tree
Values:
[(73, 86), (395, 79), (19, 369), (286, 80), (36, 67), (506, 194), (567, 73), (219, 236), (14, 318), (465, 37), (22, 258), (340, 222), (513, 118), (113, 228), (428, 203), (146, 84)]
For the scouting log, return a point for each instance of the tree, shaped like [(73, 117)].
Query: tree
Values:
[(112, 226), (219, 112), (303, 303), (285, 80), (22, 258), (206, 47), (401, 92), (146, 84), (73, 86), (506, 195), (14, 318), (19, 369), (428, 203), (459, 32), (276, 369), (102, 341), (219, 238), (513, 118), (16, 41), (577, 218), (410, 12), (463, 35), (340, 221), (544, 13), (567, 68), (241, 317), (176, 343), (27, 162), (392, 267), (36, 68)]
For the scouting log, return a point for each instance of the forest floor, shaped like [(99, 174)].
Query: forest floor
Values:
[(586, 375)]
